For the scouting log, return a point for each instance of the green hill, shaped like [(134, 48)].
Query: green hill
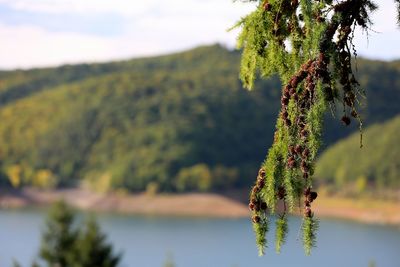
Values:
[(181, 121), (376, 165)]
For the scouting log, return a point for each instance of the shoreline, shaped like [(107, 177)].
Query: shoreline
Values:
[(196, 204), (360, 210), (191, 204)]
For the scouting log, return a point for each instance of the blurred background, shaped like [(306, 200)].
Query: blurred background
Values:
[(133, 111)]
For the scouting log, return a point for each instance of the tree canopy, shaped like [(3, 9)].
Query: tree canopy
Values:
[(123, 125)]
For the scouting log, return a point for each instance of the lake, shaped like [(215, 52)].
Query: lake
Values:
[(204, 242)]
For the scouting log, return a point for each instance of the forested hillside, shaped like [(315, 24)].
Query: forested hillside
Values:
[(376, 165), (180, 121)]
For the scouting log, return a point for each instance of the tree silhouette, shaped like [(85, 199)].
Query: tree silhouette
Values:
[(64, 244), (59, 238), (92, 248)]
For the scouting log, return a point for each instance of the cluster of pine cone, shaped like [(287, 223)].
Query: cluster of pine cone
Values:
[(309, 196), (301, 89), (257, 205), (281, 29), (347, 79)]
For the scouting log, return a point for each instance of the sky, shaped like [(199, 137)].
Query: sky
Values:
[(38, 33)]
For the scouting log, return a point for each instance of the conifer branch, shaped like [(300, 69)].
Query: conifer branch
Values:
[(309, 44)]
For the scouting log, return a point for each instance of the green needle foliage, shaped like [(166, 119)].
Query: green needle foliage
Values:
[(310, 226), (281, 232), (309, 45), (260, 226)]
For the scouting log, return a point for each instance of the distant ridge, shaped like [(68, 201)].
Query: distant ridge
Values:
[(179, 122), (376, 164)]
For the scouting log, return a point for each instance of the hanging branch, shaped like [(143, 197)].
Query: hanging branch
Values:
[(309, 44)]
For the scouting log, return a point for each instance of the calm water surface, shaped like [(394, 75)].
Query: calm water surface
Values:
[(195, 242)]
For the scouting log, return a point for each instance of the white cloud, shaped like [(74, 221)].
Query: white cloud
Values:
[(126, 7), (383, 39), (169, 26), (151, 27), (25, 46), (76, 6), (29, 46)]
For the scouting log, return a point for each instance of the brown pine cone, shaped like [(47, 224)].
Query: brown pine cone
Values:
[(256, 219), (298, 149), (263, 206), (306, 152), (251, 206), (281, 192), (307, 212), (346, 120)]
